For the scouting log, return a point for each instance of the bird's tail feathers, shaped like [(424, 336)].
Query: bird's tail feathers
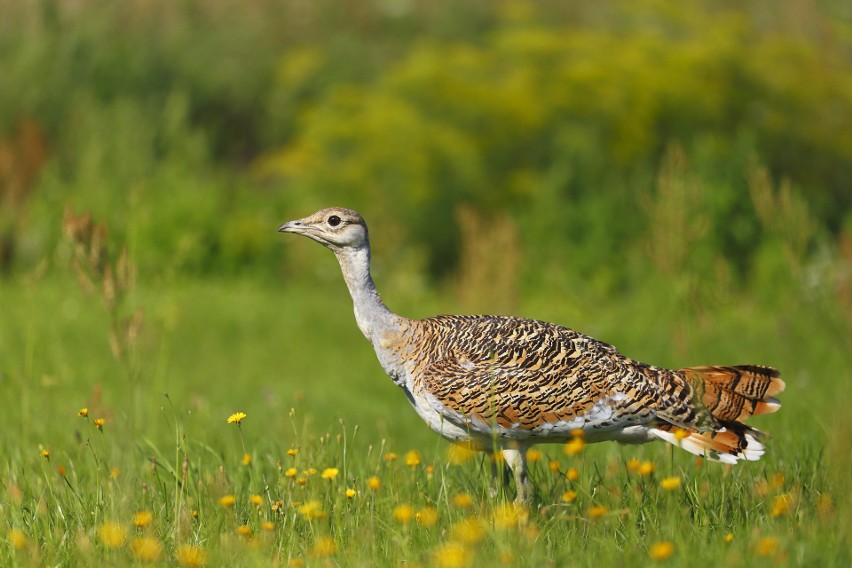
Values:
[(731, 395)]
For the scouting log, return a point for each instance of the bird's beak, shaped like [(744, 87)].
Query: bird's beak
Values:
[(292, 227)]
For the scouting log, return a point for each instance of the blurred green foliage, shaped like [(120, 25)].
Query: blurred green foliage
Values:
[(192, 128)]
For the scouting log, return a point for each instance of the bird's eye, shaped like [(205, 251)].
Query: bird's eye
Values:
[(334, 220)]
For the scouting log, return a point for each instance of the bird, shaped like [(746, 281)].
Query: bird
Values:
[(503, 384)]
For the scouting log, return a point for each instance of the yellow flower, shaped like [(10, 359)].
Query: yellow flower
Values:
[(374, 483), (277, 506), (296, 563), (767, 546), (312, 510), (227, 500), (256, 500), (329, 473), (292, 452), (189, 555), (427, 516), (553, 465), (246, 459), (268, 526), (453, 555), (114, 472), (111, 535), (391, 456), (403, 513), (670, 483), (310, 471), (468, 531), (572, 474), (350, 493), (142, 519), (412, 458), (633, 465), (680, 434), (146, 548), (45, 454), (324, 546), (729, 538), (291, 472), (569, 496), (534, 455), (508, 516), (244, 531), (661, 550), (782, 504), (646, 468), (458, 454), (596, 511), (17, 539), (83, 412), (574, 446), (578, 433), (99, 423), (236, 418), (462, 500)]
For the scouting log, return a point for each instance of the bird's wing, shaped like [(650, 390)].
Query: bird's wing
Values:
[(524, 378)]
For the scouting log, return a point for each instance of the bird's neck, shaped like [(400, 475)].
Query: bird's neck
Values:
[(374, 318)]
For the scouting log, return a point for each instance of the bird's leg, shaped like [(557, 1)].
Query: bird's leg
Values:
[(517, 460)]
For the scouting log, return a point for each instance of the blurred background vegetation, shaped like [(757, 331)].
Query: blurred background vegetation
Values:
[(672, 177)]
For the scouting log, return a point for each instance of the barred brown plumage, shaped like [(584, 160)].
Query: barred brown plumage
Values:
[(503, 383)]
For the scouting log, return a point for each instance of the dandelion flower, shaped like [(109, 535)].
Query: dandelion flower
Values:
[(45, 454), (83, 412), (596, 511), (291, 472), (633, 465), (236, 418), (646, 468), (462, 500), (553, 465), (329, 473), (509, 516), (312, 510), (766, 546), (99, 423), (427, 516), (350, 493), (374, 483), (295, 563), (268, 526), (189, 555), (412, 458), (147, 549), (572, 474), (114, 472), (681, 434), (324, 546), (782, 504), (670, 483), (453, 555), (246, 459), (277, 506), (661, 550), (244, 531), (468, 531), (574, 446), (391, 456), (256, 500), (17, 539), (458, 454), (142, 519), (292, 452), (533, 455), (729, 538), (227, 500), (403, 513), (310, 471), (111, 535), (569, 496)]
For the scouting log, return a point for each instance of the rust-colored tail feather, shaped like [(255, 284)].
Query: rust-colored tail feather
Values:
[(731, 395)]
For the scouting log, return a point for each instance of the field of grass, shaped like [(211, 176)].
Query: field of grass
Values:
[(331, 467)]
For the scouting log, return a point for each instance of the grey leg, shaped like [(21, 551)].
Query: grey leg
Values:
[(517, 460)]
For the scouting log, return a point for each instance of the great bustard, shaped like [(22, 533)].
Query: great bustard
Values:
[(508, 383)]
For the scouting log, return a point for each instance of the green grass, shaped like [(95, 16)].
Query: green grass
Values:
[(292, 360)]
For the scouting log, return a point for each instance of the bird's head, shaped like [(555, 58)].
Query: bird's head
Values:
[(335, 228)]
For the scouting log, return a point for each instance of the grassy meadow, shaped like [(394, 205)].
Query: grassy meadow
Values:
[(185, 386)]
